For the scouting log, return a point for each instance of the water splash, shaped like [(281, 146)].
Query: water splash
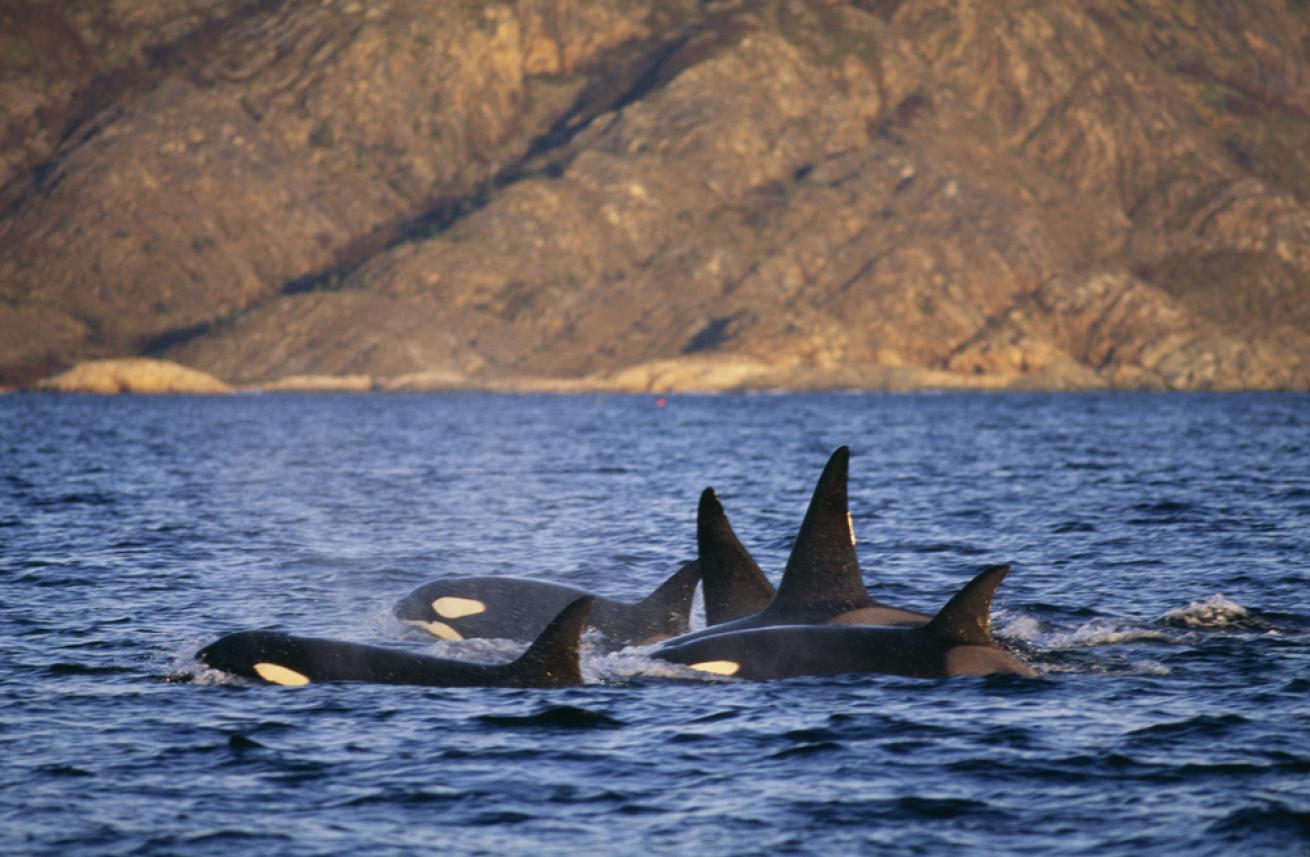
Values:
[(1024, 629), (1214, 612), (1102, 632), (635, 662)]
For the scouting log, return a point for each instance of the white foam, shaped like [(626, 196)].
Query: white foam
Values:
[(198, 673), (1102, 632), (635, 662), (1214, 612), (1023, 628)]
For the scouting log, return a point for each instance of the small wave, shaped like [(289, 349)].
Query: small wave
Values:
[(808, 749), (237, 836), (1202, 725), (1167, 509), (498, 818), (1214, 612), (941, 807), (64, 771), (393, 796), (1073, 527), (949, 547), (70, 668), (89, 498), (238, 743), (1264, 821), (555, 717)]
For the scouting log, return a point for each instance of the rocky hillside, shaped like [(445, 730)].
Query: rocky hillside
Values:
[(660, 194)]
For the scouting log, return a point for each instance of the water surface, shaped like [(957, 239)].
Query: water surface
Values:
[(1161, 546)]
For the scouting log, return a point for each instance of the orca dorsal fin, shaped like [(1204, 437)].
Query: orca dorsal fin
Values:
[(668, 609), (822, 570), (966, 620), (734, 584), (552, 659)]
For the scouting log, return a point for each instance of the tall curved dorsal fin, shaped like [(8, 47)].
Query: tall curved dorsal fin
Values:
[(966, 620), (552, 659), (734, 584), (822, 568), (668, 608)]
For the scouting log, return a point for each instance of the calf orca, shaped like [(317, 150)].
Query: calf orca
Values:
[(957, 641), (821, 583), (514, 608), (551, 660)]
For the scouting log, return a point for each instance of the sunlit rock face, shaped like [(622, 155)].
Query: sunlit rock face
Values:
[(563, 193), (132, 375)]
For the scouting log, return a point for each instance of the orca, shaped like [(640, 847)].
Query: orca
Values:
[(277, 658), (730, 578), (957, 641), (821, 583), (515, 608)]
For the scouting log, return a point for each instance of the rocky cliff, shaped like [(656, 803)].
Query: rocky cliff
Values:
[(655, 194)]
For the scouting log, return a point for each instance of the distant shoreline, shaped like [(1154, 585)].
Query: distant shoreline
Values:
[(143, 376)]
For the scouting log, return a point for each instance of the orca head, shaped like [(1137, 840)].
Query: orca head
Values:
[(433, 609), (254, 654)]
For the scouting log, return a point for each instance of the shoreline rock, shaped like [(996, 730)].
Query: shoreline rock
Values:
[(137, 375), (696, 375), (315, 384)]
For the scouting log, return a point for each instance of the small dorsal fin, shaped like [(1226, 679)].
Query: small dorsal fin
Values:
[(668, 608), (966, 619), (734, 584), (552, 659), (822, 569)]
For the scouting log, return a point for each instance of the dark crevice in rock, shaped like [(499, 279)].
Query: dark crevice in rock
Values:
[(155, 346), (632, 78), (712, 335), (628, 74), (902, 116)]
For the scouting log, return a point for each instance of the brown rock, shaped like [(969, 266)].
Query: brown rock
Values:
[(562, 194), (132, 375), (317, 384)]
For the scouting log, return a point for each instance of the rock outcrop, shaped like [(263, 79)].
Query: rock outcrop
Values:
[(132, 375), (560, 193)]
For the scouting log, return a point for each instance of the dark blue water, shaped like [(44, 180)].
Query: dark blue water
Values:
[(1161, 547)]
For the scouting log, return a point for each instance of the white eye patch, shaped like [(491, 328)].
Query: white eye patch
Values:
[(275, 674), (717, 667), (451, 607)]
